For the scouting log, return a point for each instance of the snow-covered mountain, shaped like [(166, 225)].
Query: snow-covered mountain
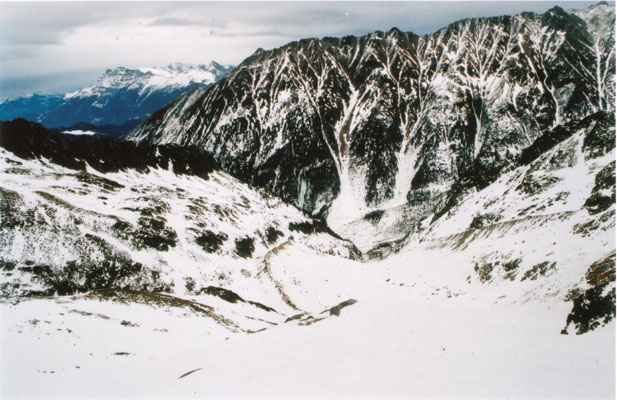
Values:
[(345, 127), (120, 95), (149, 267), (465, 247)]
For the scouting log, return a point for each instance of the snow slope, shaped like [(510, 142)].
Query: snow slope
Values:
[(472, 305), (398, 341), (163, 229)]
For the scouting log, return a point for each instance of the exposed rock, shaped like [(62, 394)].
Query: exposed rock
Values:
[(375, 121), (594, 307)]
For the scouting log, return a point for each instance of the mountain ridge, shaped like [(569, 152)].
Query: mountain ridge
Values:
[(121, 94), (345, 126)]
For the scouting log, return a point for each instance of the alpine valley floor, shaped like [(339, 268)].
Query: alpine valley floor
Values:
[(468, 310), (404, 338)]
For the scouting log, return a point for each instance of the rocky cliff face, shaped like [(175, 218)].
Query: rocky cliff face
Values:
[(344, 127)]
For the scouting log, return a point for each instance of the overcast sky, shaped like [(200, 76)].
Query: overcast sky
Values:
[(55, 47)]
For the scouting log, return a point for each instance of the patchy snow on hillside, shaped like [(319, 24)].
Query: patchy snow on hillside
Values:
[(301, 317)]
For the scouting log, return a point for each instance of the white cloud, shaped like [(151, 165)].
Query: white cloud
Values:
[(42, 39)]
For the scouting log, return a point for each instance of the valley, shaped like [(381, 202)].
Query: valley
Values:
[(382, 216)]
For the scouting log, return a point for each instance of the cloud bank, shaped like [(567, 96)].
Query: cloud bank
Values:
[(40, 41)]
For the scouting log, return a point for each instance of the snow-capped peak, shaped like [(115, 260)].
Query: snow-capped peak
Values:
[(149, 79)]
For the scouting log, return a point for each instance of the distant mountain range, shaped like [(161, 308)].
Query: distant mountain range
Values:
[(118, 98)]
